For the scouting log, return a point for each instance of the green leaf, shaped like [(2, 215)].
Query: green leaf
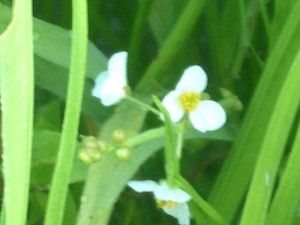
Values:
[(162, 17), (52, 47), (286, 199), (272, 148), (16, 73), (107, 178), (239, 166), (55, 78), (53, 44)]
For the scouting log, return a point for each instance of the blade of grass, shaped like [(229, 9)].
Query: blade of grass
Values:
[(16, 73), (285, 202), (54, 78), (272, 148), (53, 44), (238, 168), (282, 10), (59, 187), (171, 47), (137, 37)]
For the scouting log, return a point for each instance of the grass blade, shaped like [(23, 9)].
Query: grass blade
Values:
[(273, 146), (16, 72), (66, 153), (287, 196)]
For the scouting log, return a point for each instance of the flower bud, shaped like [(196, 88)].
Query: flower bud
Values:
[(123, 153), (118, 135)]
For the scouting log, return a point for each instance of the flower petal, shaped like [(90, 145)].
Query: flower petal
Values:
[(142, 186), (117, 67), (112, 91), (100, 79), (194, 79), (208, 116), (181, 212), (171, 103), (165, 193)]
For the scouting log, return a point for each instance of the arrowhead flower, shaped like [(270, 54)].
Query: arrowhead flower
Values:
[(172, 201), (205, 115), (111, 85)]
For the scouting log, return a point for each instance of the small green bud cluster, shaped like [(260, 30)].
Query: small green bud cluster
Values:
[(91, 150)]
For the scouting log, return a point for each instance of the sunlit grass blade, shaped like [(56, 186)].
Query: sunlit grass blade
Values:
[(238, 167), (53, 44), (287, 195), (16, 74), (282, 9), (59, 186), (272, 148)]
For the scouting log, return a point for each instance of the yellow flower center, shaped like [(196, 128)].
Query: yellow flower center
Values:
[(189, 101), (168, 204)]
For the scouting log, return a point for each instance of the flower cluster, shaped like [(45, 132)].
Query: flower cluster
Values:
[(187, 99), (205, 115)]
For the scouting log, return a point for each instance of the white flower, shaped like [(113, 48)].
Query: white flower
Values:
[(111, 84), (205, 115), (172, 201)]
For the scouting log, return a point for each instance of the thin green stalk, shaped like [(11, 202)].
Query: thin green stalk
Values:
[(265, 17), (170, 49), (17, 87), (287, 196), (180, 135), (276, 137), (200, 202), (171, 159), (66, 153), (143, 105), (137, 36), (145, 137)]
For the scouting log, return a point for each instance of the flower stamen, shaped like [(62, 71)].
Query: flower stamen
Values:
[(169, 204), (189, 101)]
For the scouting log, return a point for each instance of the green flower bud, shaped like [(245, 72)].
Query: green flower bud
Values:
[(123, 153), (118, 136), (89, 155)]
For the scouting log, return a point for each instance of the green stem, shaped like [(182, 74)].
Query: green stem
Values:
[(66, 153), (145, 137), (180, 133), (183, 28), (143, 105), (171, 160), (265, 17), (201, 203), (16, 91)]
